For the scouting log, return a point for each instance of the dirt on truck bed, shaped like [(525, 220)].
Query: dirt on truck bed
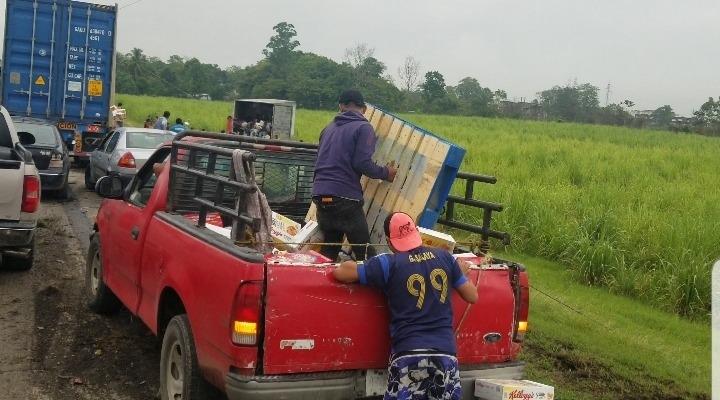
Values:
[(51, 345)]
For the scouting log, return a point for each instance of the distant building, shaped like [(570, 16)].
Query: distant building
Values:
[(643, 114), (522, 109)]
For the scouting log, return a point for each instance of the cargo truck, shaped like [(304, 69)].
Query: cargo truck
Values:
[(59, 65)]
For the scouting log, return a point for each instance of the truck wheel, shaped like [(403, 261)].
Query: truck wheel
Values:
[(89, 184), (179, 372), (18, 263), (99, 297)]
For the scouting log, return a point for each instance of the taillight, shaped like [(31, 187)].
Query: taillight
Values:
[(31, 194), (127, 160), (245, 321), (521, 319)]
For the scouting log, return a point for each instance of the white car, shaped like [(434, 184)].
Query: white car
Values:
[(122, 152), (19, 196)]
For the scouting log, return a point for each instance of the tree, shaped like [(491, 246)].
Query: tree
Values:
[(356, 56), (572, 102), (282, 43), (474, 99), (434, 86), (662, 116), (408, 73), (435, 94)]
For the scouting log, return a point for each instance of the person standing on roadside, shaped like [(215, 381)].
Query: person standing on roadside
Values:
[(229, 125), (162, 122), (179, 126), (344, 156), (417, 282)]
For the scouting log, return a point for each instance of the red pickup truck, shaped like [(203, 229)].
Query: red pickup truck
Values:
[(254, 325)]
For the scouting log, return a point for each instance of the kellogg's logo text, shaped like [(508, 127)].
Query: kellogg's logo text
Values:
[(520, 394)]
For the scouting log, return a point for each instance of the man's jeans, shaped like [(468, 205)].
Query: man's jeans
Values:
[(338, 217)]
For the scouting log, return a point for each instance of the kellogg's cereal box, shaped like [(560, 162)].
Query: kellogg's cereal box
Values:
[(509, 389)]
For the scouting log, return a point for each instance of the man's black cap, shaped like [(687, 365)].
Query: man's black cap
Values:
[(351, 96)]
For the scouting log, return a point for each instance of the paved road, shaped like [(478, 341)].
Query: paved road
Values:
[(51, 346)]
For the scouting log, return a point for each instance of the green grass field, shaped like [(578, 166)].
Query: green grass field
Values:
[(631, 211)]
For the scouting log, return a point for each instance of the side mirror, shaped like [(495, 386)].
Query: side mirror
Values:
[(26, 138), (109, 187)]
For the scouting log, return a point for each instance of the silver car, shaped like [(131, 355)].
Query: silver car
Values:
[(122, 152)]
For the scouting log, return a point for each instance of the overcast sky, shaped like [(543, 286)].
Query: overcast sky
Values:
[(653, 52)]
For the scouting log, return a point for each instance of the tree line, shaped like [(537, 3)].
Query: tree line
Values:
[(314, 81)]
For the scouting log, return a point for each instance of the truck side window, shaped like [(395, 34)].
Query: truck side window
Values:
[(144, 182)]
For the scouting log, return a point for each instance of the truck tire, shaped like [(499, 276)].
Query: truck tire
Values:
[(89, 184), (18, 263), (99, 297), (180, 376)]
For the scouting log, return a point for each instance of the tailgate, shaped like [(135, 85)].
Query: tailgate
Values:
[(313, 323), (11, 180)]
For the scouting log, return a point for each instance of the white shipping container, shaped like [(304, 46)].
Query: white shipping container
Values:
[(508, 389)]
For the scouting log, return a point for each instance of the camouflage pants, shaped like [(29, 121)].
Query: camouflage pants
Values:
[(424, 376)]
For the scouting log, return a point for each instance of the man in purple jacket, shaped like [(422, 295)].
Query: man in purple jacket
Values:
[(345, 154)]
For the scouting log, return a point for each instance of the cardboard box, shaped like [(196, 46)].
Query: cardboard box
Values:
[(433, 238), (508, 389), (283, 230), (289, 235)]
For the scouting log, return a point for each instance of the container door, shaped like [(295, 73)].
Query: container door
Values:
[(87, 68), (282, 122), (30, 58)]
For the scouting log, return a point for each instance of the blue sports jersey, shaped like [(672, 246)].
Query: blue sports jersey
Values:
[(418, 285)]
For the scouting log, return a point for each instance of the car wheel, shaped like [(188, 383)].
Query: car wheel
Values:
[(20, 263), (180, 376), (89, 184), (99, 297)]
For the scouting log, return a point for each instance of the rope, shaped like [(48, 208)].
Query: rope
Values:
[(469, 305), (555, 299)]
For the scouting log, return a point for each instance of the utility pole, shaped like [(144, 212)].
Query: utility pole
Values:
[(607, 95)]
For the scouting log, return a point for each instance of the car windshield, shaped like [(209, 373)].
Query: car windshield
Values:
[(146, 140), (44, 134)]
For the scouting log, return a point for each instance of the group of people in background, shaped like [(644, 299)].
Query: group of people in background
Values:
[(163, 123), (257, 127)]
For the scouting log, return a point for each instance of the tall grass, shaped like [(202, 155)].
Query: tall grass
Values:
[(635, 211)]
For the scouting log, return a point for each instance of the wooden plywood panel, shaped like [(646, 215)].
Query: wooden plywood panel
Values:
[(435, 158), (383, 155), (385, 199)]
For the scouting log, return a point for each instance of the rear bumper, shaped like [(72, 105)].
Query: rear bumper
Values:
[(344, 385), (16, 234), (52, 180)]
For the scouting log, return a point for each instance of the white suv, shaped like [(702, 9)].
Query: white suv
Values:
[(19, 196)]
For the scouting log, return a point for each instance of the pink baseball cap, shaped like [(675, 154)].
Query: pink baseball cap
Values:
[(401, 232)]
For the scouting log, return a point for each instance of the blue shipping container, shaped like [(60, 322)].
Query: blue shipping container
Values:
[(58, 62)]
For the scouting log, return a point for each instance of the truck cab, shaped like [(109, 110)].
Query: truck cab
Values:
[(19, 196)]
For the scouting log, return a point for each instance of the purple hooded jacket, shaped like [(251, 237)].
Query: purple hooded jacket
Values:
[(345, 154)]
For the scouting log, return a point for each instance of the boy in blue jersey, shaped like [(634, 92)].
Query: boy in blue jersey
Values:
[(417, 282)]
